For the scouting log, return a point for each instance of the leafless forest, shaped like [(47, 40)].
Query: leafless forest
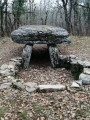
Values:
[(73, 15)]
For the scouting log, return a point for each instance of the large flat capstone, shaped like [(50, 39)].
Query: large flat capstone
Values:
[(40, 34)]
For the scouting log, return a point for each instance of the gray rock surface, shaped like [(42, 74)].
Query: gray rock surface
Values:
[(5, 85), (85, 78), (4, 67), (30, 86), (40, 34), (18, 85), (87, 71), (51, 88), (7, 72), (26, 55), (79, 82), (54, 55), (75, 85)]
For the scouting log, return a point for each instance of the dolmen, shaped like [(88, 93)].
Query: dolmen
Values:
[(40, 34)]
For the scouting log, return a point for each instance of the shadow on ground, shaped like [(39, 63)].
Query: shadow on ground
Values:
[(40, 55)]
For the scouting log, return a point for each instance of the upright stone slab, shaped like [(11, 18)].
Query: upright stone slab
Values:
[(54, 55), (26, 55)]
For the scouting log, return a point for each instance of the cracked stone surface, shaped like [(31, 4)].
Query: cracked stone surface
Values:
[(40, 34)]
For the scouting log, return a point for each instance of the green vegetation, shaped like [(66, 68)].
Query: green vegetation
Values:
[(52, 98), (23, 115), (18, 10), (3, 111), (76, 70)]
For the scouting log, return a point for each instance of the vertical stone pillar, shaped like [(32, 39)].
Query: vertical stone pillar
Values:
[(54, 55), (26, 55)]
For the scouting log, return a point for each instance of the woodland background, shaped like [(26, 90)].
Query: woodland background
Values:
[(73, 15)]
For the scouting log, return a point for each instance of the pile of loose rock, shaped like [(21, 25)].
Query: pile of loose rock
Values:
[(80, 69), (8, 72)]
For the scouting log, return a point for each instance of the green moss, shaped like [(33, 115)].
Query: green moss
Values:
[(64, 64), (52, 98), (3, 111), (76, 70), (88, 114), (23, 115)]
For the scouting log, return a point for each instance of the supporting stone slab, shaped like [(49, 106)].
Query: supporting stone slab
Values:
[(26, 55), (54, 55)]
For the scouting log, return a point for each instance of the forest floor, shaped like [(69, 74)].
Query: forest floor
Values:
[(62, 105)]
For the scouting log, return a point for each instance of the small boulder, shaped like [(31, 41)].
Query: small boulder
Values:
[(87, 64), (4, 67), (6, 72), (18, 85), (87, 71), (79, 82), (85, 78), (30, 86), (75, 85), (5, 85)]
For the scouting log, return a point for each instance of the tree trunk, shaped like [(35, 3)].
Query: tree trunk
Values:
[(6, 27), (1, 14)]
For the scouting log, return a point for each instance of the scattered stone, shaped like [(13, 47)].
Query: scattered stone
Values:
[(79, 82), (17, 59), (62, 69), (85, 78), (86, 64), (4, 67), (72, 57), (10, 66), (42, 118), (50, 88), (16, 62), (30, 86), (75, 85), (19, 80), (80, 62), (2, 118), (4, 81), (73, 62), (73, 115), (28, 89), (10, 77), (18, 85), (63, 57), (5, 85), (69, 89), (6, 72), (87, 71)]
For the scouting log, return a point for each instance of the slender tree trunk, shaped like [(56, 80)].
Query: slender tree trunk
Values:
[(46, 17), (67, 19), (6, 27), (1, 14)]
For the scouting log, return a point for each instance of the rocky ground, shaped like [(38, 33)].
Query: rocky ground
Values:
[(62, 105)]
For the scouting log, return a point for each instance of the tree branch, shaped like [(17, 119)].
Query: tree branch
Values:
[(83, 6)]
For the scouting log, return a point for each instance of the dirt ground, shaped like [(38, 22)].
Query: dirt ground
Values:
[(63, 105)]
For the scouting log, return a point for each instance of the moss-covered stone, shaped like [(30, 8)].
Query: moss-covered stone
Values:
[(76, 70)]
